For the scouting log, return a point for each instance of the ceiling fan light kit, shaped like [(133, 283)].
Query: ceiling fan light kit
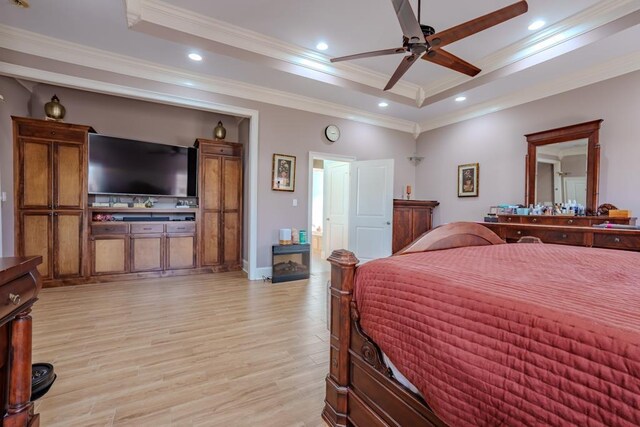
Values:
[(422, 41)]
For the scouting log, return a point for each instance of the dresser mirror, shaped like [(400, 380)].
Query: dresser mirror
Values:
[(563, 164)]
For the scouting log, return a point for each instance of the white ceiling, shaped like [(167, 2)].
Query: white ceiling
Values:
[(271, 44)]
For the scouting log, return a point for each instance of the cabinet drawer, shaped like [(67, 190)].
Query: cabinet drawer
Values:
[(616, 241), (22, 289), (181, 227), (557, 237), (562, 237), (517, 233), (146, 228), (111, 228), (509, 219), (69, 135), (225, 150)]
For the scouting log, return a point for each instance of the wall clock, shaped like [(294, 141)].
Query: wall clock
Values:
[(332, 132)]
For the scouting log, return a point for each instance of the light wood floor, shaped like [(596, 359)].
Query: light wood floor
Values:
[(207, 350)]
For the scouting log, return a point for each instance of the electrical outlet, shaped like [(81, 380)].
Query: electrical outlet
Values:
[(295, 202)]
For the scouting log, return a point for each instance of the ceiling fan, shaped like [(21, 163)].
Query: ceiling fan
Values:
[(423, 41)]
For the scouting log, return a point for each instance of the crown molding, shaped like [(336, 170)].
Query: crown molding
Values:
[(162, 14), (614, 68), (55, 49)]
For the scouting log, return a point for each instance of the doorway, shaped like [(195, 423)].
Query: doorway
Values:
[(329, 207)]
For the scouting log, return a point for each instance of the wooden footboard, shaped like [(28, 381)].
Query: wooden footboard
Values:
[(360, 389)]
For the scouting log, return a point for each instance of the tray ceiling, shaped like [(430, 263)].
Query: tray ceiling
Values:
[(272, 45)]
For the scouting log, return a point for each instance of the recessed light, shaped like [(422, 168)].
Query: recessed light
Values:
[(461, 98), (536, 25), (195, 57), (383, 105), (322, 46)]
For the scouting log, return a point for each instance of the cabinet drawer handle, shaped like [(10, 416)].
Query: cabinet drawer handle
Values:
[(53, 133), (15, 299), (147, 228), (181, 228), (617, 240), (570, 221), (509, 219), (564, 236), (535, 220), (518, 232)]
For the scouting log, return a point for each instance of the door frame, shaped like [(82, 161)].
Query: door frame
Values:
[(319, 156)]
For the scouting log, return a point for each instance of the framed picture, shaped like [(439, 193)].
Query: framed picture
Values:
[(283, 176), (468, 180)]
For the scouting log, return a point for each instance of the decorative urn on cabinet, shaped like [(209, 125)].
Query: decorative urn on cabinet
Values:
[(54, 110), (219, 132)]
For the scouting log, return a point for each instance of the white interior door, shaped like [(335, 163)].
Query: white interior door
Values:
[(336, 207), (371, 209), (575, 188)]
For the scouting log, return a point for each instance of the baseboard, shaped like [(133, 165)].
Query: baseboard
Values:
[(263, 272)]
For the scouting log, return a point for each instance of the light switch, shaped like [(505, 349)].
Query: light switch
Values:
[(295, 202)]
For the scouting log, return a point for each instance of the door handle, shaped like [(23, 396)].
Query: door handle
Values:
[(388, 223), (327, 219)]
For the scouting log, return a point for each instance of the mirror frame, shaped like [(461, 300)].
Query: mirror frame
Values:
[(588, 130)]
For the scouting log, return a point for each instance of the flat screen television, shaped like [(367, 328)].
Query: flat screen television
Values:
[(128, 167)]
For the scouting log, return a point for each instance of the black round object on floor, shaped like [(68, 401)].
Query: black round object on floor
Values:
[(42, 378)]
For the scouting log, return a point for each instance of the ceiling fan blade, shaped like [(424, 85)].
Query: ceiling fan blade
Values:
[(474, 26), (370, 54), (408, 21), (407, 62), (449, 60)]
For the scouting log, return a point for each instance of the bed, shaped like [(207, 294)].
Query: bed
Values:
[(488, 333)]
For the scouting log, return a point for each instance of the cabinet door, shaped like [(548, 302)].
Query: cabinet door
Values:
[(68, 164), (232, 235), (210, 238), (67, 247), (109, 255), (232, 211), (147, 253), (36, 175), (402, 228), (211, 183), (420, 222), (35, 239), (210, 199), (180, 251)]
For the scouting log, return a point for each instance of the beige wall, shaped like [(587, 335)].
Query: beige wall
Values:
[(293, 132), (16, 100), (134, 119), (496, 141)]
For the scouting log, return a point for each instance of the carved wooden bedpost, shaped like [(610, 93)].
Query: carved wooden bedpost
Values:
[(343, 267)]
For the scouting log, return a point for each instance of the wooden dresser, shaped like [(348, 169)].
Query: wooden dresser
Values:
[(20, 284), (411, 218), (565, 220), (569, 235)]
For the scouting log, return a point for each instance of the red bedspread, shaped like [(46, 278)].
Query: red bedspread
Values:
[(520, 334)]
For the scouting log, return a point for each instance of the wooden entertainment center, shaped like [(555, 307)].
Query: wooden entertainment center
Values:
[(54, 219)]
